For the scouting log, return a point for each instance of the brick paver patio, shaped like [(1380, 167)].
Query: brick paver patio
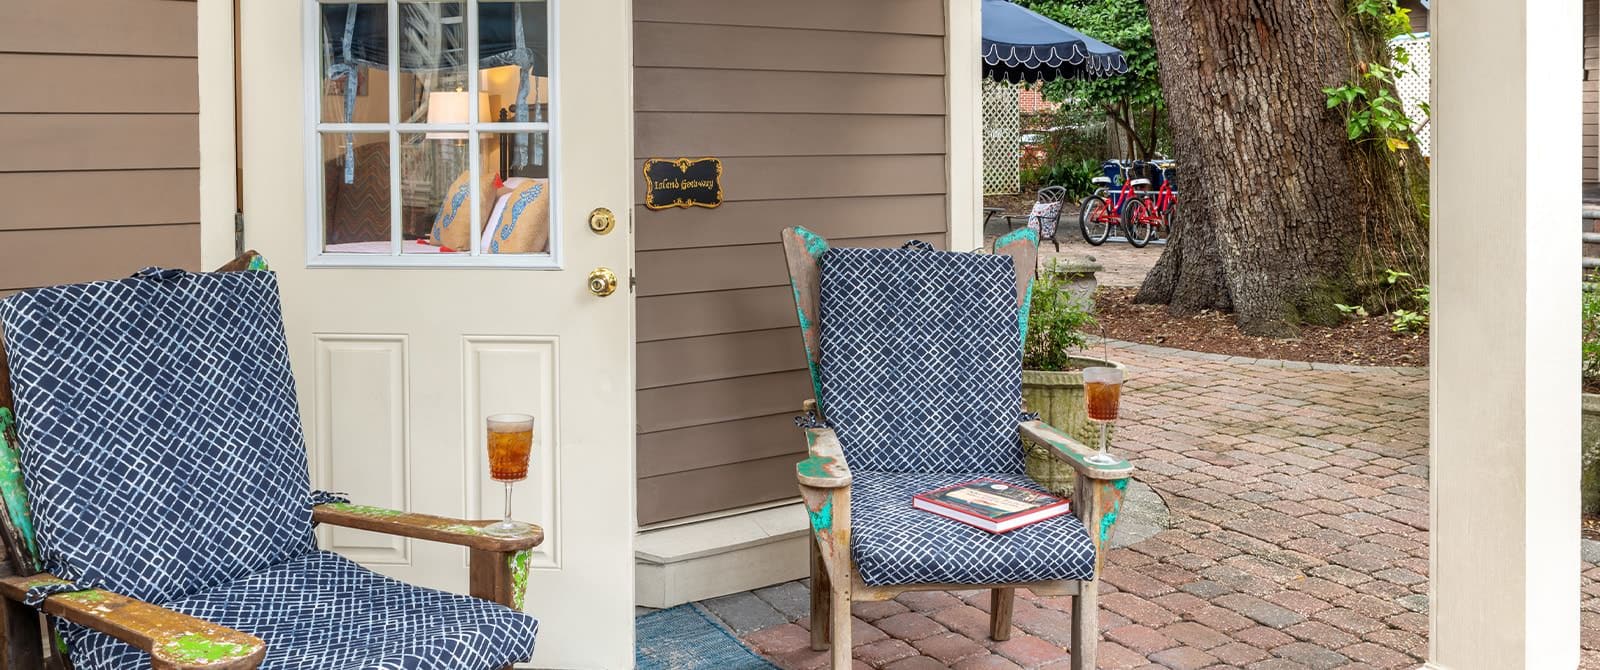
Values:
[(1299, 509)]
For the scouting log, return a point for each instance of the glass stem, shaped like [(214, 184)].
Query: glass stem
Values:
[(1102, 438), (508, 495)]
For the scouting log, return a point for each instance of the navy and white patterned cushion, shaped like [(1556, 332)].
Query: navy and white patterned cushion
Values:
[(161, 439), (895, 543), (321, 611), (921, 359)]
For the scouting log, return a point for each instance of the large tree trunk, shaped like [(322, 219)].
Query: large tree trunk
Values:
[(1283, 215)]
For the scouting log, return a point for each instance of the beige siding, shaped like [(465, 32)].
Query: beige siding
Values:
[(99, 145), (828, 114)]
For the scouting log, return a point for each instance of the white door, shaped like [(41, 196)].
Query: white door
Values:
[(421, 175)]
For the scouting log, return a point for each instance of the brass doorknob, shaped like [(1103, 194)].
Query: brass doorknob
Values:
[(601, 221), (602, 282)]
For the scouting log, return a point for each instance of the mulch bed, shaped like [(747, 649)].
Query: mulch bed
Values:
[(1355, 342), (1591, 527)]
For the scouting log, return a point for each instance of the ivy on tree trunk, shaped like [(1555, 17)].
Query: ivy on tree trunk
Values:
[(1281, 215)]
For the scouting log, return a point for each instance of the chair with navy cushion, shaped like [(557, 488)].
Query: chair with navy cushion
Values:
[(165, 513), (916, 358)]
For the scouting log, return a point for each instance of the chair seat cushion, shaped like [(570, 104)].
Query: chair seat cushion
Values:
[(894, 543), (321, 611)]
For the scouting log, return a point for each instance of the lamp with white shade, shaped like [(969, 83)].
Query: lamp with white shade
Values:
[(453, 107)]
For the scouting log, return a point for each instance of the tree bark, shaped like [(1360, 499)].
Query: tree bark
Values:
[(1284, 216)]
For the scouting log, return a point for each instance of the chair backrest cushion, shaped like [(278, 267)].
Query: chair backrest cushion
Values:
[(161, 441), (921, 359)]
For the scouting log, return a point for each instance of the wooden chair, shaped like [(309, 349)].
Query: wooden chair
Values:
[(151, 635), (833, 493)]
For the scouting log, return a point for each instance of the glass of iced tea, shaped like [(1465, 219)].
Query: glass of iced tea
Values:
[(1102, 392), (510, 443)]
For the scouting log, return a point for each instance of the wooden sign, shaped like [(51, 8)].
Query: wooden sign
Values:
[(682, 182)]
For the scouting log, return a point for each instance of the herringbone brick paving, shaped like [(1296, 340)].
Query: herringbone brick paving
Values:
[(1299, 501)]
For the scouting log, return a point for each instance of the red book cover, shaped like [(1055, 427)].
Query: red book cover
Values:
[(992, 505)]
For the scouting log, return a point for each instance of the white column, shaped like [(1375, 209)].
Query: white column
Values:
[(1507, 160), (964, 123)]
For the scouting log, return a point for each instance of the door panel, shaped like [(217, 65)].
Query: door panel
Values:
[(397, 366)]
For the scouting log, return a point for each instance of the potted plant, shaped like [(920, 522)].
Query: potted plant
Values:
[(1052, 378), (1591, 400)]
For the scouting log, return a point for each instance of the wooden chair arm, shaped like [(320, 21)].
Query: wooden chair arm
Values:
[(1074, 453), (174, 641), (825, 468), (422, 527)]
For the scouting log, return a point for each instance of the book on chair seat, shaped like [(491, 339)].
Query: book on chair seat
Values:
[(992, 505)]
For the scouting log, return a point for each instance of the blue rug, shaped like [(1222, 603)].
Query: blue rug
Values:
[(684, 638)]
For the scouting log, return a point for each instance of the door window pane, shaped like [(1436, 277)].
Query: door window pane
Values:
[(355, 171), (354, 77), (519, 221), (437, 193), (465, 185), (433, 73)]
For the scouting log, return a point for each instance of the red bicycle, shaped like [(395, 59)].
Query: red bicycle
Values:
[(1144, 215), (1100, 212)]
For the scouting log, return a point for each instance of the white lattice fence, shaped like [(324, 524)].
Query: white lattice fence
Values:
[(1002, 139), (1414, 86)]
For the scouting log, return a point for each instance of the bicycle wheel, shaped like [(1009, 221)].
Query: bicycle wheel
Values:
[(1092, 220), (1136, 222)]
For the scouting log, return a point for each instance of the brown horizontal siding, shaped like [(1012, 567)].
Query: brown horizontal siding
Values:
[(699, 90), (760, 221), (698, 447), (692, 492), (723, 268), (694, 314), (914, 17), (126, 27), (685, 45), (99, 140), (62, 84), (746, 134), (34, 200), (48, 257), (826, 114), (54, 142)]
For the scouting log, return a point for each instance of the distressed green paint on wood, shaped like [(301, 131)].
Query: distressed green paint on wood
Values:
[(822, 517), (365, 510), (1110, 518), (815, 245), (520, 563), (818, 467), (258, 262), (1023, 233), (12, 489), (811, 356), (1022, 315), (1069, 452), (94, 596), (197, 648)]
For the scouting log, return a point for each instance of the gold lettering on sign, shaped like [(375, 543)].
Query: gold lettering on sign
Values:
[(669, 183)]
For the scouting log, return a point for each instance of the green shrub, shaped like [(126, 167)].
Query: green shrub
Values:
[(1056, 321), (1591, 333)]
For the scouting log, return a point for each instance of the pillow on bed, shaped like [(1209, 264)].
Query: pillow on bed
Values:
[(450, 227), (524, 223)]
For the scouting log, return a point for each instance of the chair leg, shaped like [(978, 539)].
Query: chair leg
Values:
[(1085, 625), (1001, 603), (820, 589), (841, 626)]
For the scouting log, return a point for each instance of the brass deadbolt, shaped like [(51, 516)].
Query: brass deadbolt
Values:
[(602, 282), (601, 221)]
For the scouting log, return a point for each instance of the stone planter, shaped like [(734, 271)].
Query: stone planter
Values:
[(1591, 452), (1058, 398)]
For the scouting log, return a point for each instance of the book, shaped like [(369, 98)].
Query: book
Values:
[(992, 505)]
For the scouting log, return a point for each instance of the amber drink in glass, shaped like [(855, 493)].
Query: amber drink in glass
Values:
[(510, 443), (1102, 392)]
